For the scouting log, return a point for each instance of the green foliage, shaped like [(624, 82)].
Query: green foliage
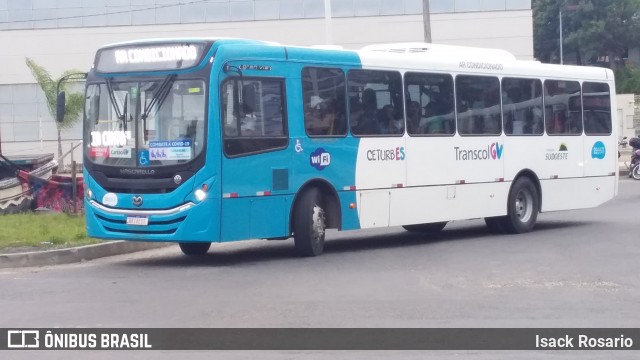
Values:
[(628, 80), (546, 30), (595, 32), (49, 230), (74, 102)]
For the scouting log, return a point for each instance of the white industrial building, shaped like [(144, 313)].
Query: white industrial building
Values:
[(64, 34)]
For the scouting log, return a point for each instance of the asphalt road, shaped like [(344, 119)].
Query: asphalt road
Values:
[(577, 269)]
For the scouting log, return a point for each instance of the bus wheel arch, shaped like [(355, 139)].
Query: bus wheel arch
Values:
[(330, 199), (524, 202), (315, 209), (536, 181)]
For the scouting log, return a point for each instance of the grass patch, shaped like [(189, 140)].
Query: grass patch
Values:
[(34, 231)]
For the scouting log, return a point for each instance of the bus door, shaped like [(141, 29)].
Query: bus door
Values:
[(563, 156), (255, 163), (599, 143), (376, 117)]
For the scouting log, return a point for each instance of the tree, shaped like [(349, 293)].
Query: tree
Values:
[(74, 103), (595, 32)]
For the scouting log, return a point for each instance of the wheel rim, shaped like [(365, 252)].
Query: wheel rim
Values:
[(318, 223), (524, 205)]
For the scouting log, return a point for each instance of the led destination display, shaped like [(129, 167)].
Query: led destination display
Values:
[(149, 57)]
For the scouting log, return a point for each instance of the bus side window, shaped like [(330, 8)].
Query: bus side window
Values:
[(563, 107), (482, 95), (323, 93), (374, 90), (258, 124), (430, 104), (522, 106)]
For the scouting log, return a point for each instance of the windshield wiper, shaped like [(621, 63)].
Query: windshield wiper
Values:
[(120, 115), (158, 99)]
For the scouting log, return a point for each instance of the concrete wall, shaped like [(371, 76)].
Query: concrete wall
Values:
[(625, 113)]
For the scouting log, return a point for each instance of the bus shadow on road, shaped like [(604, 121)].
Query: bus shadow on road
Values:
[(338, 243)]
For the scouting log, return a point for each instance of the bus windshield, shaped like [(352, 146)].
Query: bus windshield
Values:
[(145, 123)]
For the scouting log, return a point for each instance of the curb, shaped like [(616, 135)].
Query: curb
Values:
[(76, 254), (623, 170)]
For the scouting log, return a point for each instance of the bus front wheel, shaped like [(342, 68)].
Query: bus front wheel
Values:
[(195, 248), (309, 224), (522, 207)]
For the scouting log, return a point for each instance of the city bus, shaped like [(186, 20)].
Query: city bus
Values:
[(202, 140)]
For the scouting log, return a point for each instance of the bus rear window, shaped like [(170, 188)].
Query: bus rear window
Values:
[(597, 108)]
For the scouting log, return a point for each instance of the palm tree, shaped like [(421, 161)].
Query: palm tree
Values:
[(74, 103)]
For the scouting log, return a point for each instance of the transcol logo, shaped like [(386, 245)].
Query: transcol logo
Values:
[(320, 159), (492, 152)]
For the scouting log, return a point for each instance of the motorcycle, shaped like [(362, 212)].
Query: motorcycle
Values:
[(634, 165), (622, 142)]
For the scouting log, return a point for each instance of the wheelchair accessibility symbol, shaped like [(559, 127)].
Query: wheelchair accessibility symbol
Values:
[(143, 158), (298, 146)]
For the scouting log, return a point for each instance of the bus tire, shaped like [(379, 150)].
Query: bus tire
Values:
[(426, 228), (194, 248), (309, 224), (522, 207)]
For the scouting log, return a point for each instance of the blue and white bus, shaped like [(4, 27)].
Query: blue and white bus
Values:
[(197, 141)]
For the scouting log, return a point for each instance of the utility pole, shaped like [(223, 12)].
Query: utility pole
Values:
[(426, 17), (561, 41), (328, 31)]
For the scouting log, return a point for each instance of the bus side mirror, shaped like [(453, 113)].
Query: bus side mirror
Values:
[(60, 106), (94, 109)]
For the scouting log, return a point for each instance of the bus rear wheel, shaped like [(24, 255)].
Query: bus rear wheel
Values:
[(309, 224), (426, 228), (522, 207), (195, 248)]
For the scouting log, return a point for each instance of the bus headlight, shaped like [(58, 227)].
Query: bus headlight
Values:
[(200, 194), (89, 194)]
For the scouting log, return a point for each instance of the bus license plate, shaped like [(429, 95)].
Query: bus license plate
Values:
[(137, 220)]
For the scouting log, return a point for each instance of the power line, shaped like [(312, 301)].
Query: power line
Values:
[(105, 14)]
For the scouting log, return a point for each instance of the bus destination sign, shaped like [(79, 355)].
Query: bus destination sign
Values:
[(149, 57)]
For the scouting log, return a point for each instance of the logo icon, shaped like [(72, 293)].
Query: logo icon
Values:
[(320, 159), (177, 179), (23, 339), (496, 150), (137, 200), (298, 146), (143, 158), (598, 151), (563, 147), (120, 153)]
